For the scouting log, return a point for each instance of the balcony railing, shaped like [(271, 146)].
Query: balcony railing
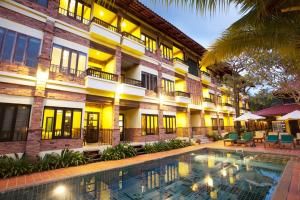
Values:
[(182, 94), (131, 81), (168, 93), (179, 60), (73, 15), (227, 104), (66, 70), (205, 99), (105, 24), (205, 73), (132, 37), (101, 74)]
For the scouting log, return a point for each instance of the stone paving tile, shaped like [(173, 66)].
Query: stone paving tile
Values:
[(290, 185)]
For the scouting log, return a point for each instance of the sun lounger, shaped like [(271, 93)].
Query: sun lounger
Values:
[(287, 140), (232, 138), (246, 138), (271, 140)]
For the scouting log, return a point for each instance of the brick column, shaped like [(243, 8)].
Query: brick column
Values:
[(189, 124), (161, 122), (35, 126), (116, 129), (118, 56)]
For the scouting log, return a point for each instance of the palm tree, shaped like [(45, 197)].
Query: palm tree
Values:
[(266, 24)]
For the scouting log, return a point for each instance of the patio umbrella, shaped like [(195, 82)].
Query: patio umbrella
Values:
[(248, 116), (295, 115)]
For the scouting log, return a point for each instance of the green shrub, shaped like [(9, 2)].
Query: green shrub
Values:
[(67, 158), (165, 145), (118, 152), (215, 136), (14, 167)]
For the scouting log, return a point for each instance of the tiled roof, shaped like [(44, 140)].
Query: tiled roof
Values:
[(279, 110), (146, 14)]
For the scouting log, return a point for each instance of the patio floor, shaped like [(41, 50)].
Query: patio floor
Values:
[(288, 188)]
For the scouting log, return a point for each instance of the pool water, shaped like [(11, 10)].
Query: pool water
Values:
[(205, 174)]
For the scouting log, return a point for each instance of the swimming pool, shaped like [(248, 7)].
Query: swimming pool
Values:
[(205, 174)]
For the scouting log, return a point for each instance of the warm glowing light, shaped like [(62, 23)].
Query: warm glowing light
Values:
[(42, 74), (209, 181), (214, 194), (224, 172), (59, 190), (123, 24), (101, 13), (195, 187), (231, 180), (119, 88)]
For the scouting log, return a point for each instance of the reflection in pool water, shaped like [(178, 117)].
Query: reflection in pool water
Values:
[(206, 174)]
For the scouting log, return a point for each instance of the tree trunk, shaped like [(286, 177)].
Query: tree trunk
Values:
[(236, 95)]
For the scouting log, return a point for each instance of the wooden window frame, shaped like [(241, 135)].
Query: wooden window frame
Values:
[(168, 125), (13, 53), (167, 52), (150, 81), (153, 46), (168, 86), (149, 130), (13, 125)]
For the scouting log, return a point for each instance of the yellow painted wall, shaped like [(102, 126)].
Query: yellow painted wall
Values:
[(105, 14), (205, 92), (180, 85), (208, 121), (131, 28), (107, 117), (181, 119), (177, 53), (110, 66)]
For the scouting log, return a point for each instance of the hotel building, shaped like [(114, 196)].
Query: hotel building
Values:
[(75, 73)]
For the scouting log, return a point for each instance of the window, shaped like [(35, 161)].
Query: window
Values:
[(68, 61), (19, 48), (168, 87), (150, 43), (221, 122), (166, 52), (149, 124), (75, 9), (14, 121), (169, 124), (215, 124), (61, 123), (212, 97), (193, 67), (149, 81), (41, 2)]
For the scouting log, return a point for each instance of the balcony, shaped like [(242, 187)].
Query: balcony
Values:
[(208, 103), (228, 107), (133, 43), (182, 97), (66, 71), (180, 65), (104, 31), (72, 15), (132, 86), (100, 80), (223, 87), (205, 77)]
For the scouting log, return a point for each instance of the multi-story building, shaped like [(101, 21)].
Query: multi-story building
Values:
[(74, 73)]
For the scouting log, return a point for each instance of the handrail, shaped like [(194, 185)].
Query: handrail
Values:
[(73, 15), (101, 74), (132, 37), (131, 81), (179, 60), (182, 94), (205, 99), (66, 70), (205, 73), (105, 24)]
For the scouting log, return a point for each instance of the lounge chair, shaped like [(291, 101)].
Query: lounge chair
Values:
[(298, 138), (271, 140), (232, 138), (246, 138), (287, 140), (259, 136)]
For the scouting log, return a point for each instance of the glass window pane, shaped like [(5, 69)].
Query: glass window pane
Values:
[(21, 125), (72, 7), (58, 123), (20, 48), (48, 123), (67, 123), (143, 120), (65, 59), (8, 45), (87, 13), (64, 4), (32, 52), (73, 63), (7, 121), (76, 125), (43, 2), (81, 63), (2, 31), (79, 11), (56, 56)]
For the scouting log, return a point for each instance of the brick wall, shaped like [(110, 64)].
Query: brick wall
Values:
[(12, 147), (64, 95), (18, 69), (14, 89), (56, 144)]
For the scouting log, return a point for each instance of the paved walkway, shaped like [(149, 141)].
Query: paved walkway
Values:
[(288, 188)]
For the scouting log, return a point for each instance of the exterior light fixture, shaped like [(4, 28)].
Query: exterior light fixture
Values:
[(101, 13), (209, 181), (123, 24), (59, 190)]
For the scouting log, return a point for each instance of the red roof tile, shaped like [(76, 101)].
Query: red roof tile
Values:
[(278, 110)]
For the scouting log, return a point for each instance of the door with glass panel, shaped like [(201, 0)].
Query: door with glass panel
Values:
[(92, 127), (121, 127)]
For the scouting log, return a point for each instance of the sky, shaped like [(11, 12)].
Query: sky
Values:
[(204, 29)]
